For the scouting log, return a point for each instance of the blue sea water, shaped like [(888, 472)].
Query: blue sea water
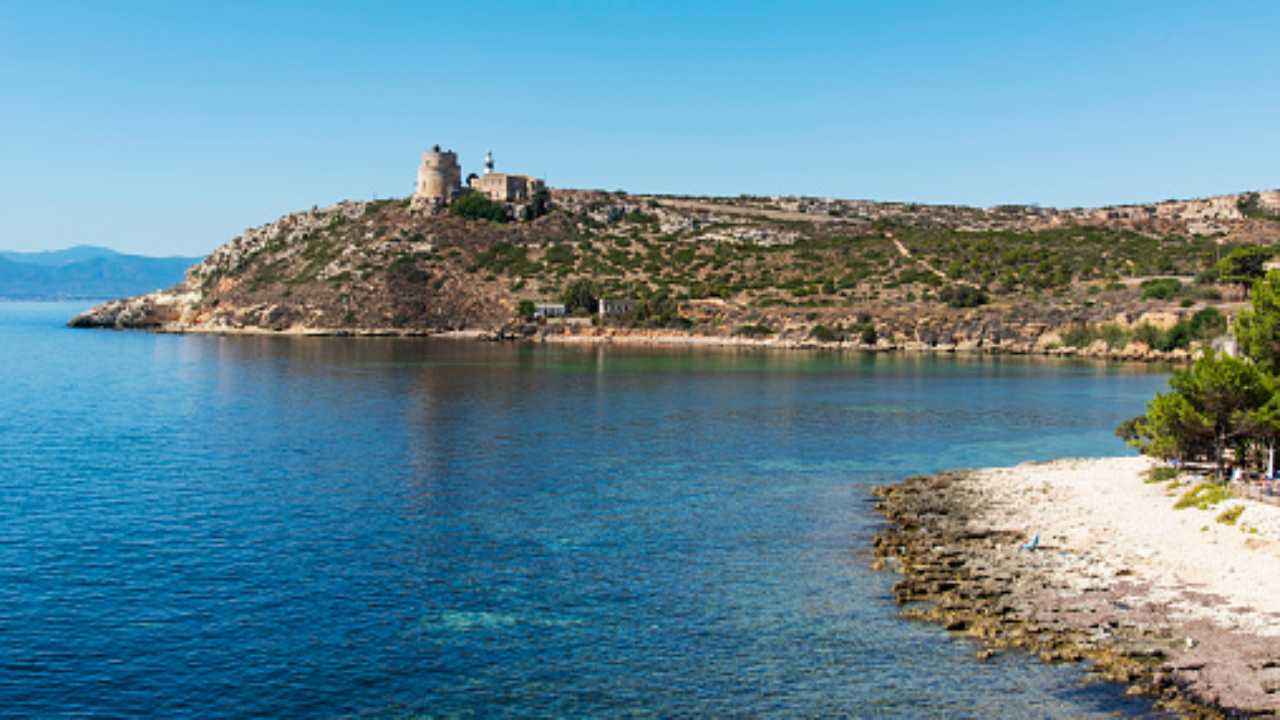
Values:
[(197, 526)]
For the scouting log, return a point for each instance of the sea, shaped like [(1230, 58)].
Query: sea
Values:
[(196, 526)]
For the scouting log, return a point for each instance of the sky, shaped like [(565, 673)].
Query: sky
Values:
[(167, 128)]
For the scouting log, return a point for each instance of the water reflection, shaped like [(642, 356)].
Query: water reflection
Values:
[(311, 527)]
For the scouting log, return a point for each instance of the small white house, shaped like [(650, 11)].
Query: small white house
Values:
[(616, 307), (548, 310)]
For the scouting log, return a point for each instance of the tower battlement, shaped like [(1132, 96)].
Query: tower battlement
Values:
[(439, 177)]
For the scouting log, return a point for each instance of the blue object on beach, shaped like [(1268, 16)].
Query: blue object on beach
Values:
[(1031, 544)]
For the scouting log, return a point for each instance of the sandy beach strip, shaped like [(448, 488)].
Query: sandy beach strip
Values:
[(1102, 511), (1173, 602)]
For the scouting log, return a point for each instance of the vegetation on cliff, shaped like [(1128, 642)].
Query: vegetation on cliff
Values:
[(933, 275)]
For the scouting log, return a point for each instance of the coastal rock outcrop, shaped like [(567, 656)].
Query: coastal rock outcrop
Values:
[(967, 572)]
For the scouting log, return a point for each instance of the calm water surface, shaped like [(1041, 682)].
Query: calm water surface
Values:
[(274, 527)]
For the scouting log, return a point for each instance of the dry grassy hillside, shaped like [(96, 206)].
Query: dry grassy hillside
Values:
[(798, 268)]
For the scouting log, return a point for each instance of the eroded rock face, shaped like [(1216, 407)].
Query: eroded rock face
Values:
[(972, 580), (152, 311)]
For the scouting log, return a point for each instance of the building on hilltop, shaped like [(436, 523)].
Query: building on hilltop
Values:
[(505, 187), (440, 181), (439, 177)]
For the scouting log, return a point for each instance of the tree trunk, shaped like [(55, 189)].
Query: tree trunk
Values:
[(1217, 455), (1271, 461)]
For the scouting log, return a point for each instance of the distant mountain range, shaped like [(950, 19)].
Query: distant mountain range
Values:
[(86, 271)]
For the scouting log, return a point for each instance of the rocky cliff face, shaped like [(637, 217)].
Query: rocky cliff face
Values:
[(772, 268), (372, 267)]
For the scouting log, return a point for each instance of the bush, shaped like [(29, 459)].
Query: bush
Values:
[(1208, 276), (1230, 515), (1114, 335), (1078, 336), (1203, 496), (1207, 324), (822, 333), (1147, 334), (474, 206), (525, 309), (1161, 288), (580, 295), (1244, 265), (1250, 205), (1161, 473), (867, 335), (963, 296), (1176, 337), (753, 331), (560, 254), (659, 310)]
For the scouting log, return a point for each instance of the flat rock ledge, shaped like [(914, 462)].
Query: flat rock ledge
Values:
[(959, 572)]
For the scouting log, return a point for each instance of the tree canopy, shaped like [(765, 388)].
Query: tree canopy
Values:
[(1244, 265), (1221, 402), (1257, 328), (580, 295)]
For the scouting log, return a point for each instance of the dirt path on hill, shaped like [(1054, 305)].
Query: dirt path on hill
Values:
[(906, 253), (784, 215)]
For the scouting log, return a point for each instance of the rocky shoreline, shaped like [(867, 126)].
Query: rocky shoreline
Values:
[(963, 568), (168, 313)]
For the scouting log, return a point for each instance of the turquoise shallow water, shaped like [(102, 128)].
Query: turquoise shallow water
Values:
[(276, 527)]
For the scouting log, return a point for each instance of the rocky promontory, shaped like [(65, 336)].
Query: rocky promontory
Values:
[(1126, 282)]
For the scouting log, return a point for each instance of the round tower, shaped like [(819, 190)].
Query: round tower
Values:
[(488, 162), (439, 176)]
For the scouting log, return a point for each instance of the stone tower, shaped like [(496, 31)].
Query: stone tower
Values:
[(439, 177)]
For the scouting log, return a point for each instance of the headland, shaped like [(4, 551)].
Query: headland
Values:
[(504, 257)]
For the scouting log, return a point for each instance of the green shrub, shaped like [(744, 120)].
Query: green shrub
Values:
[(560, 254), (1250, 205), (1114, 335), (475, 206), (505, 257), (526, 309), (1207, 324), (963, 296), (1208, 276), (867, 334), (822, 333), (1230, 515), (658, 310), (581, 296), (1176, 337), (640, 218), (1203, 496), (754, 330), (1078, 336), (1161, 473), (1161, 288), (1148, 334)]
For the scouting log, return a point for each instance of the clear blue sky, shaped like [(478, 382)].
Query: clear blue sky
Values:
[(167, 128)]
